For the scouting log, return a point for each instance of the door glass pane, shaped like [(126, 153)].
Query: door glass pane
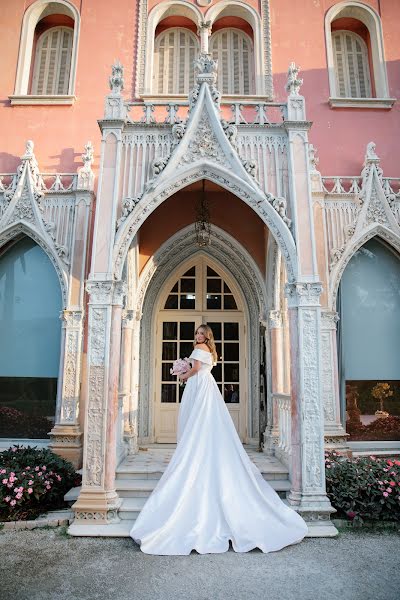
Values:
[(187, 302), (169, 351), (213, 302), (166, 372), (211, 272), (186, 349), (231, 351), (214, 285), (188, 285), (170, 331), (190, 273), (168, 392), (231, 393), (231, 331), (172, 301), (217, 372), (231, 372), (216, 329), (229, 302), (186, 330)]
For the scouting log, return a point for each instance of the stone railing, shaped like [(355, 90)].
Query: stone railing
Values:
[(283, 448), (239, 113), (50, 182)]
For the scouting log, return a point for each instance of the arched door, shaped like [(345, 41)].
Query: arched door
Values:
[(199, 293)]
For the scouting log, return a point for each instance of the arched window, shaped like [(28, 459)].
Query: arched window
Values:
[(234, 51), (369, 308), (351, 65), (48, 52), (53, 61), (175, 51), (355, 57), (30, 332)]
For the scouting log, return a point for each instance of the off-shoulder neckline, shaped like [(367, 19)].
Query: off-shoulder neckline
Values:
[(201, 349)]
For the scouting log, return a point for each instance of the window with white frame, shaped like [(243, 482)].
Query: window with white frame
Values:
[(53, 62), (175, 52), (234, 51), (351, 65)]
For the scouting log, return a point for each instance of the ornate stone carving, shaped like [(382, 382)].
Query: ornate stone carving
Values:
[(280, 205), (72, 322), (293, 84), (313, 158), (128, 204), (97, 324), (205, 72), (85, 173), (100, 291), (94, 459), (303, 294), (204, 144), (275, 319), (311, 408), (116, 79)]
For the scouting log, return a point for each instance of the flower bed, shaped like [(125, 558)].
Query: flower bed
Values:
[(33, 481), (363, 488)]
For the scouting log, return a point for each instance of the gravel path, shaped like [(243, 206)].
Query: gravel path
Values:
[(46, 564)]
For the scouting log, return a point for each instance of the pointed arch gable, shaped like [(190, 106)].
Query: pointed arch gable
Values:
[(227, 180), (377, 230), (18, 229)]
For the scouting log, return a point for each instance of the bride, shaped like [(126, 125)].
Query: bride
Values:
[(211, 492)]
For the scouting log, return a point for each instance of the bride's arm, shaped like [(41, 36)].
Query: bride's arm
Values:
[(195, 367)]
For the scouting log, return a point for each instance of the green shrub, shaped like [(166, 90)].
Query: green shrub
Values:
[(363, 488), (33, 480)]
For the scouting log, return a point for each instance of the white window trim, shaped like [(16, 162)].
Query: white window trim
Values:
[(251, 61), (30, 20), (146, 43), (371, 20)]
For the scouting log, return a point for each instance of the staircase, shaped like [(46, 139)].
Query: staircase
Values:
[(137, 476)]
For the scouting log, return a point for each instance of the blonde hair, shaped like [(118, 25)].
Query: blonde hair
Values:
[(209, 341)]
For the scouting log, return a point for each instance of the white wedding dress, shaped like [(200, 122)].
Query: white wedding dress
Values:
[(211, 492)]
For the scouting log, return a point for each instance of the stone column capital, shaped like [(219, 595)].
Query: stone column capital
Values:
[(303, 294), (106, 292), (329, 319), (275, 319)]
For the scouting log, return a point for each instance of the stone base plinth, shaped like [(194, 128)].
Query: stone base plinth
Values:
[(66, 441), (96, 507)]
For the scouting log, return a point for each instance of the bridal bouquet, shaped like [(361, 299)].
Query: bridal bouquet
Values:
[(180, 366)]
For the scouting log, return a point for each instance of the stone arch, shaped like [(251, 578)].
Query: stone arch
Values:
[(17, 230), (222, 177), (32, 16), (224, 250), (377, 230)]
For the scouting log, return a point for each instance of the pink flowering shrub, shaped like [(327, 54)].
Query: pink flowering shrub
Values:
[(33, 481), (364, 488)]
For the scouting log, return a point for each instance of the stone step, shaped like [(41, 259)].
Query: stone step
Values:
[(130, 508), (142, 488)]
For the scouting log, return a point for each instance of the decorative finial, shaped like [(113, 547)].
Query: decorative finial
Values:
[(370, 154), (293, 82), (85, 173), (313, 158), (117, 78)]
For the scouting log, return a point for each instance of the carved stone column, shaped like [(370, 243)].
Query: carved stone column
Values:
[(98, 501), (130, 425), (204, 31), (274, 331), (308, 490), (335, 435), (66, 434)]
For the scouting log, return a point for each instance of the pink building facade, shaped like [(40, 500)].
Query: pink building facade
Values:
[(165, 164)]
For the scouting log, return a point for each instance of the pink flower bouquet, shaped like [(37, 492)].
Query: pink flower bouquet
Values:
[(180, 366)]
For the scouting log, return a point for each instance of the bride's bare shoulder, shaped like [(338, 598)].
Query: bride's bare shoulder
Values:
[(202, 347)]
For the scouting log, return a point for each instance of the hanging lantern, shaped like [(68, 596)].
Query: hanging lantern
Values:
[(202, 224)]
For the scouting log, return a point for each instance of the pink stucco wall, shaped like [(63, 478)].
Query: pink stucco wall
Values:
[(108, 32)]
